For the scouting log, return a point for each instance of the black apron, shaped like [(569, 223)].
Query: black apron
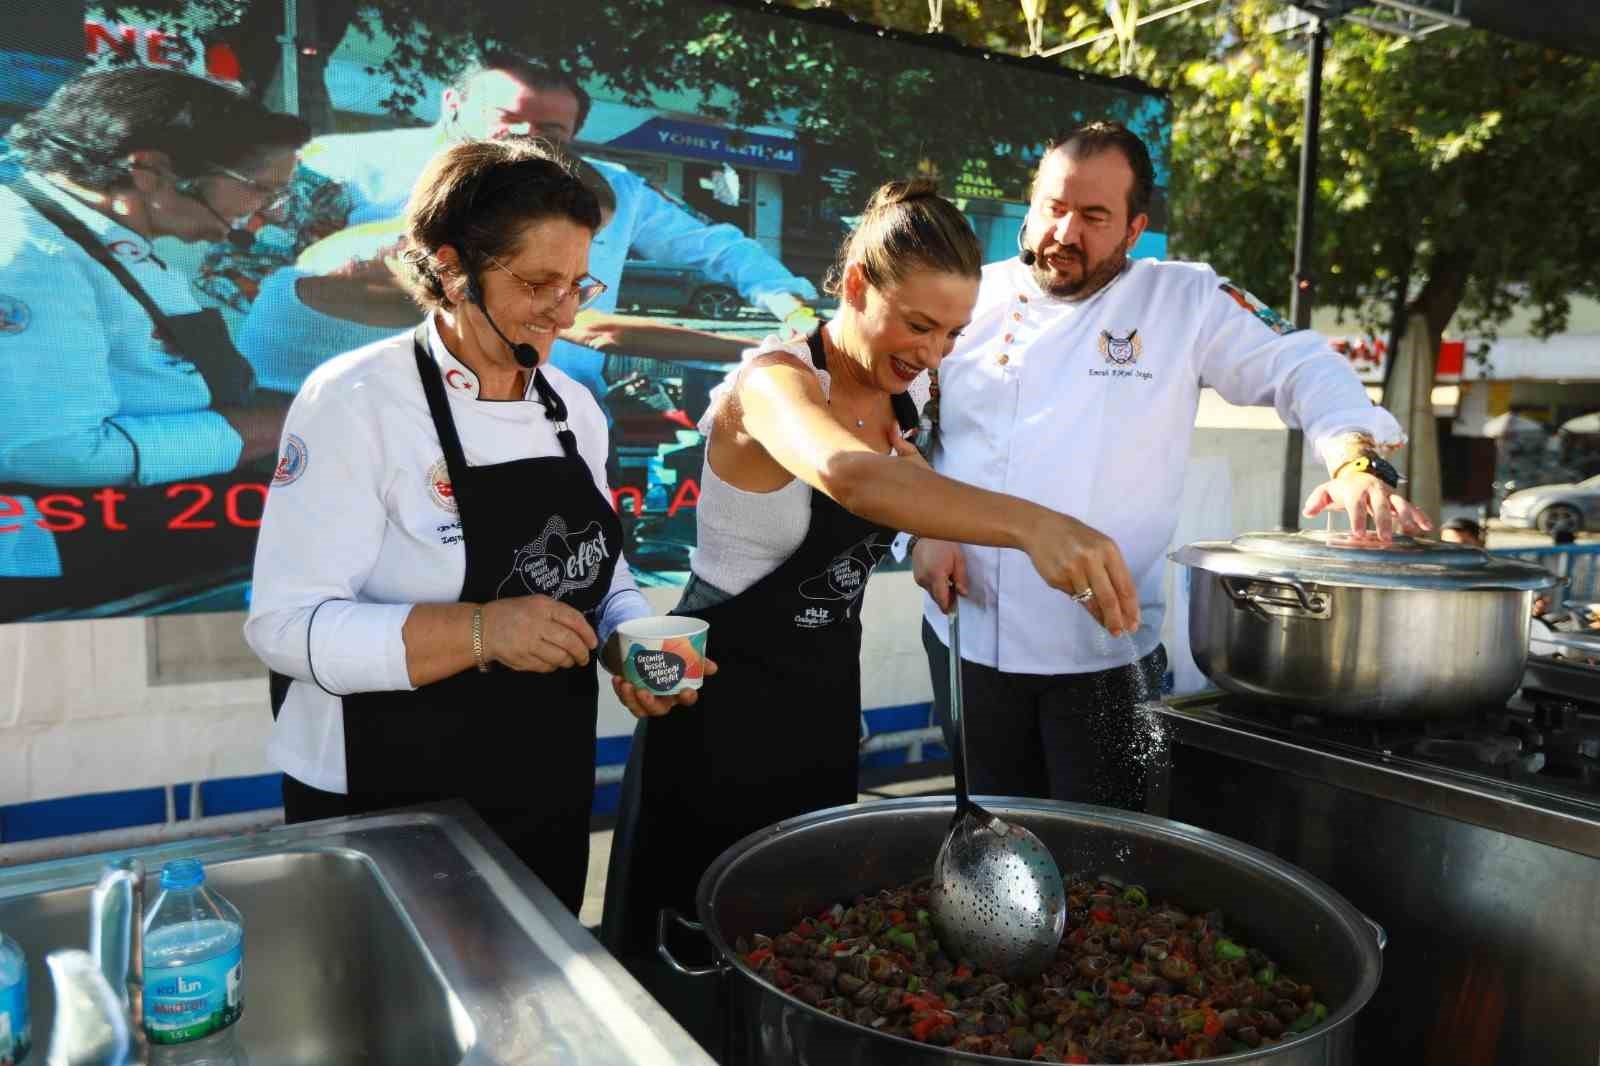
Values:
[(519, 747), (180, 539), (775, 734)]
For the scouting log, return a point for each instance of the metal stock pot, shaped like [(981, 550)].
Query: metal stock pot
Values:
[(764, 883), (1355, 628)]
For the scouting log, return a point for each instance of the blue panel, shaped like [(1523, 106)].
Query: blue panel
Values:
[(235, 795), (613, 751), (82, 814), (606, 799)]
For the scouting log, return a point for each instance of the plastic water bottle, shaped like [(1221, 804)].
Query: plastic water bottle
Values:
[(15, 1033), (193, 967)]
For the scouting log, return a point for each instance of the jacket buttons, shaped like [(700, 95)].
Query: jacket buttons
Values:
[(1004, 359), (1017, 315), (1009, 336), (1021, 298)]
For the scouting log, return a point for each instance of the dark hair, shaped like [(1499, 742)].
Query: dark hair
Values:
[(1464, 525), (1092, 138), (907, 226), (477, 197), (88, 127), (529, 72), (596, 183)]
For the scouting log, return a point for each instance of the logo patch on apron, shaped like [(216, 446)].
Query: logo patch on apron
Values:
[(557, 562)]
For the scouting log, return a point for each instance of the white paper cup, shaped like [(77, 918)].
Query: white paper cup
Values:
[(663, 654)]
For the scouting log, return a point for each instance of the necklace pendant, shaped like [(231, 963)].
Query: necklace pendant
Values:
[(861, 423)]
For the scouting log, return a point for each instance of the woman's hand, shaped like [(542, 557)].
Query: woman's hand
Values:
[(536, 634), (642, 704), (1080, 560), (1361, 495)]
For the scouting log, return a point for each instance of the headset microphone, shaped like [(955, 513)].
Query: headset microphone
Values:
[(526, 355), (1026, 254)]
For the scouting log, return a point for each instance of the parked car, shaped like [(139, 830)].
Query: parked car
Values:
[(1548, 508), (651, 285)]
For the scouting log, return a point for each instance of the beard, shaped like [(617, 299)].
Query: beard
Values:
[(1094, 277)]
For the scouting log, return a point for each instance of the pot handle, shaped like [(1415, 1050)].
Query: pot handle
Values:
[(1276, 594), (662, 918), (1377, 931)]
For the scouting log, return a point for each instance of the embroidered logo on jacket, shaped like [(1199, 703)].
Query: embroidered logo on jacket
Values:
[(14, 315), (439, 487), (1269, 318), (292, 463), (1121, 351), (557, 562)]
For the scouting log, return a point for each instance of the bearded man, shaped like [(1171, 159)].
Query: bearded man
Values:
[(1076, 386)]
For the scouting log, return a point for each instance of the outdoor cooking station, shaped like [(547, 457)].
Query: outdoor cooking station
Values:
[(1474, 841)]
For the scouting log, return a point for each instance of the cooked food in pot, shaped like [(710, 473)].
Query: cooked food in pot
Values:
[(1133, 981)]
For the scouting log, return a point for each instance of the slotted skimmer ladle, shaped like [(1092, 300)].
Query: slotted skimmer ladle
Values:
[(997, 899)]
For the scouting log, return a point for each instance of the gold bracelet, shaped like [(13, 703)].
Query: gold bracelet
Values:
[(477, 640)]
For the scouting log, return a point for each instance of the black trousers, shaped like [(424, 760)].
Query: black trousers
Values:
[(1075, 737)]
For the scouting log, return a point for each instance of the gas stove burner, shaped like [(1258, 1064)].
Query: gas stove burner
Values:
[(1541, 737)]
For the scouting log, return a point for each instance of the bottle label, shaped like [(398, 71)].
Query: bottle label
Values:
[(15, 1032), (188, 1002)]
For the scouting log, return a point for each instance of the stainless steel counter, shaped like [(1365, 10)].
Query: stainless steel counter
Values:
[(412, 938), (1490, 890)]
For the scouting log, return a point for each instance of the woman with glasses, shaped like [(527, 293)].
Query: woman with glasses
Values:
[(114, 382), (439, 565)]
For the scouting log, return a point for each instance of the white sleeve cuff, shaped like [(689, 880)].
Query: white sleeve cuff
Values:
[(176, 446), (358, 647)]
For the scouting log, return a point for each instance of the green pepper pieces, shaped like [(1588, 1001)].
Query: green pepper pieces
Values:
[(1227, 949), (1134, 896), (1084, 998), (1316, 1014)]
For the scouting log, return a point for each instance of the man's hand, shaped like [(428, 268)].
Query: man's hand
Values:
[(1364, 495), (642, 704), (940, 568), (536, 634), (1078, 559)]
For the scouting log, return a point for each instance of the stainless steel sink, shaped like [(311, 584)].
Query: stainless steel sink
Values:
[(413, 938)]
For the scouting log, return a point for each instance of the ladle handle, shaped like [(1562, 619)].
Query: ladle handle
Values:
[(957, 714)]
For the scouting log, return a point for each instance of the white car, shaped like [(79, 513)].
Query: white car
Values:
[(1548, 508)]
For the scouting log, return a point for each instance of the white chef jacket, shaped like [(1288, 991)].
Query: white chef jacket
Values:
[(1088, 408), (360, 525), (284, 339)]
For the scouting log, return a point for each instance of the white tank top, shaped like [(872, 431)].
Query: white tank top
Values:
[(743, 536)]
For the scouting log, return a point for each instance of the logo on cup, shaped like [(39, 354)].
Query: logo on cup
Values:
[(659, 670)]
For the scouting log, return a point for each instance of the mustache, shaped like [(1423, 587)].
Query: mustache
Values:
[(1063, 251)]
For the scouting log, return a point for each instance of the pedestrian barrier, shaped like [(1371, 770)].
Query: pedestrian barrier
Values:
[(1578, 563)]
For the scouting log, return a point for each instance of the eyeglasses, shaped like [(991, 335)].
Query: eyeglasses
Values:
[(547, 296), (275, 196)]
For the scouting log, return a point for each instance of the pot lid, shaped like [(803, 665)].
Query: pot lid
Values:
[(1333, 558)]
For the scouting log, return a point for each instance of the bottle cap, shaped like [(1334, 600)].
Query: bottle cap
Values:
[(183, 873)]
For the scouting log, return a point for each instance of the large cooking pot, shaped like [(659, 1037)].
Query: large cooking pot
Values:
[(1354, 628), (769, 880)]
